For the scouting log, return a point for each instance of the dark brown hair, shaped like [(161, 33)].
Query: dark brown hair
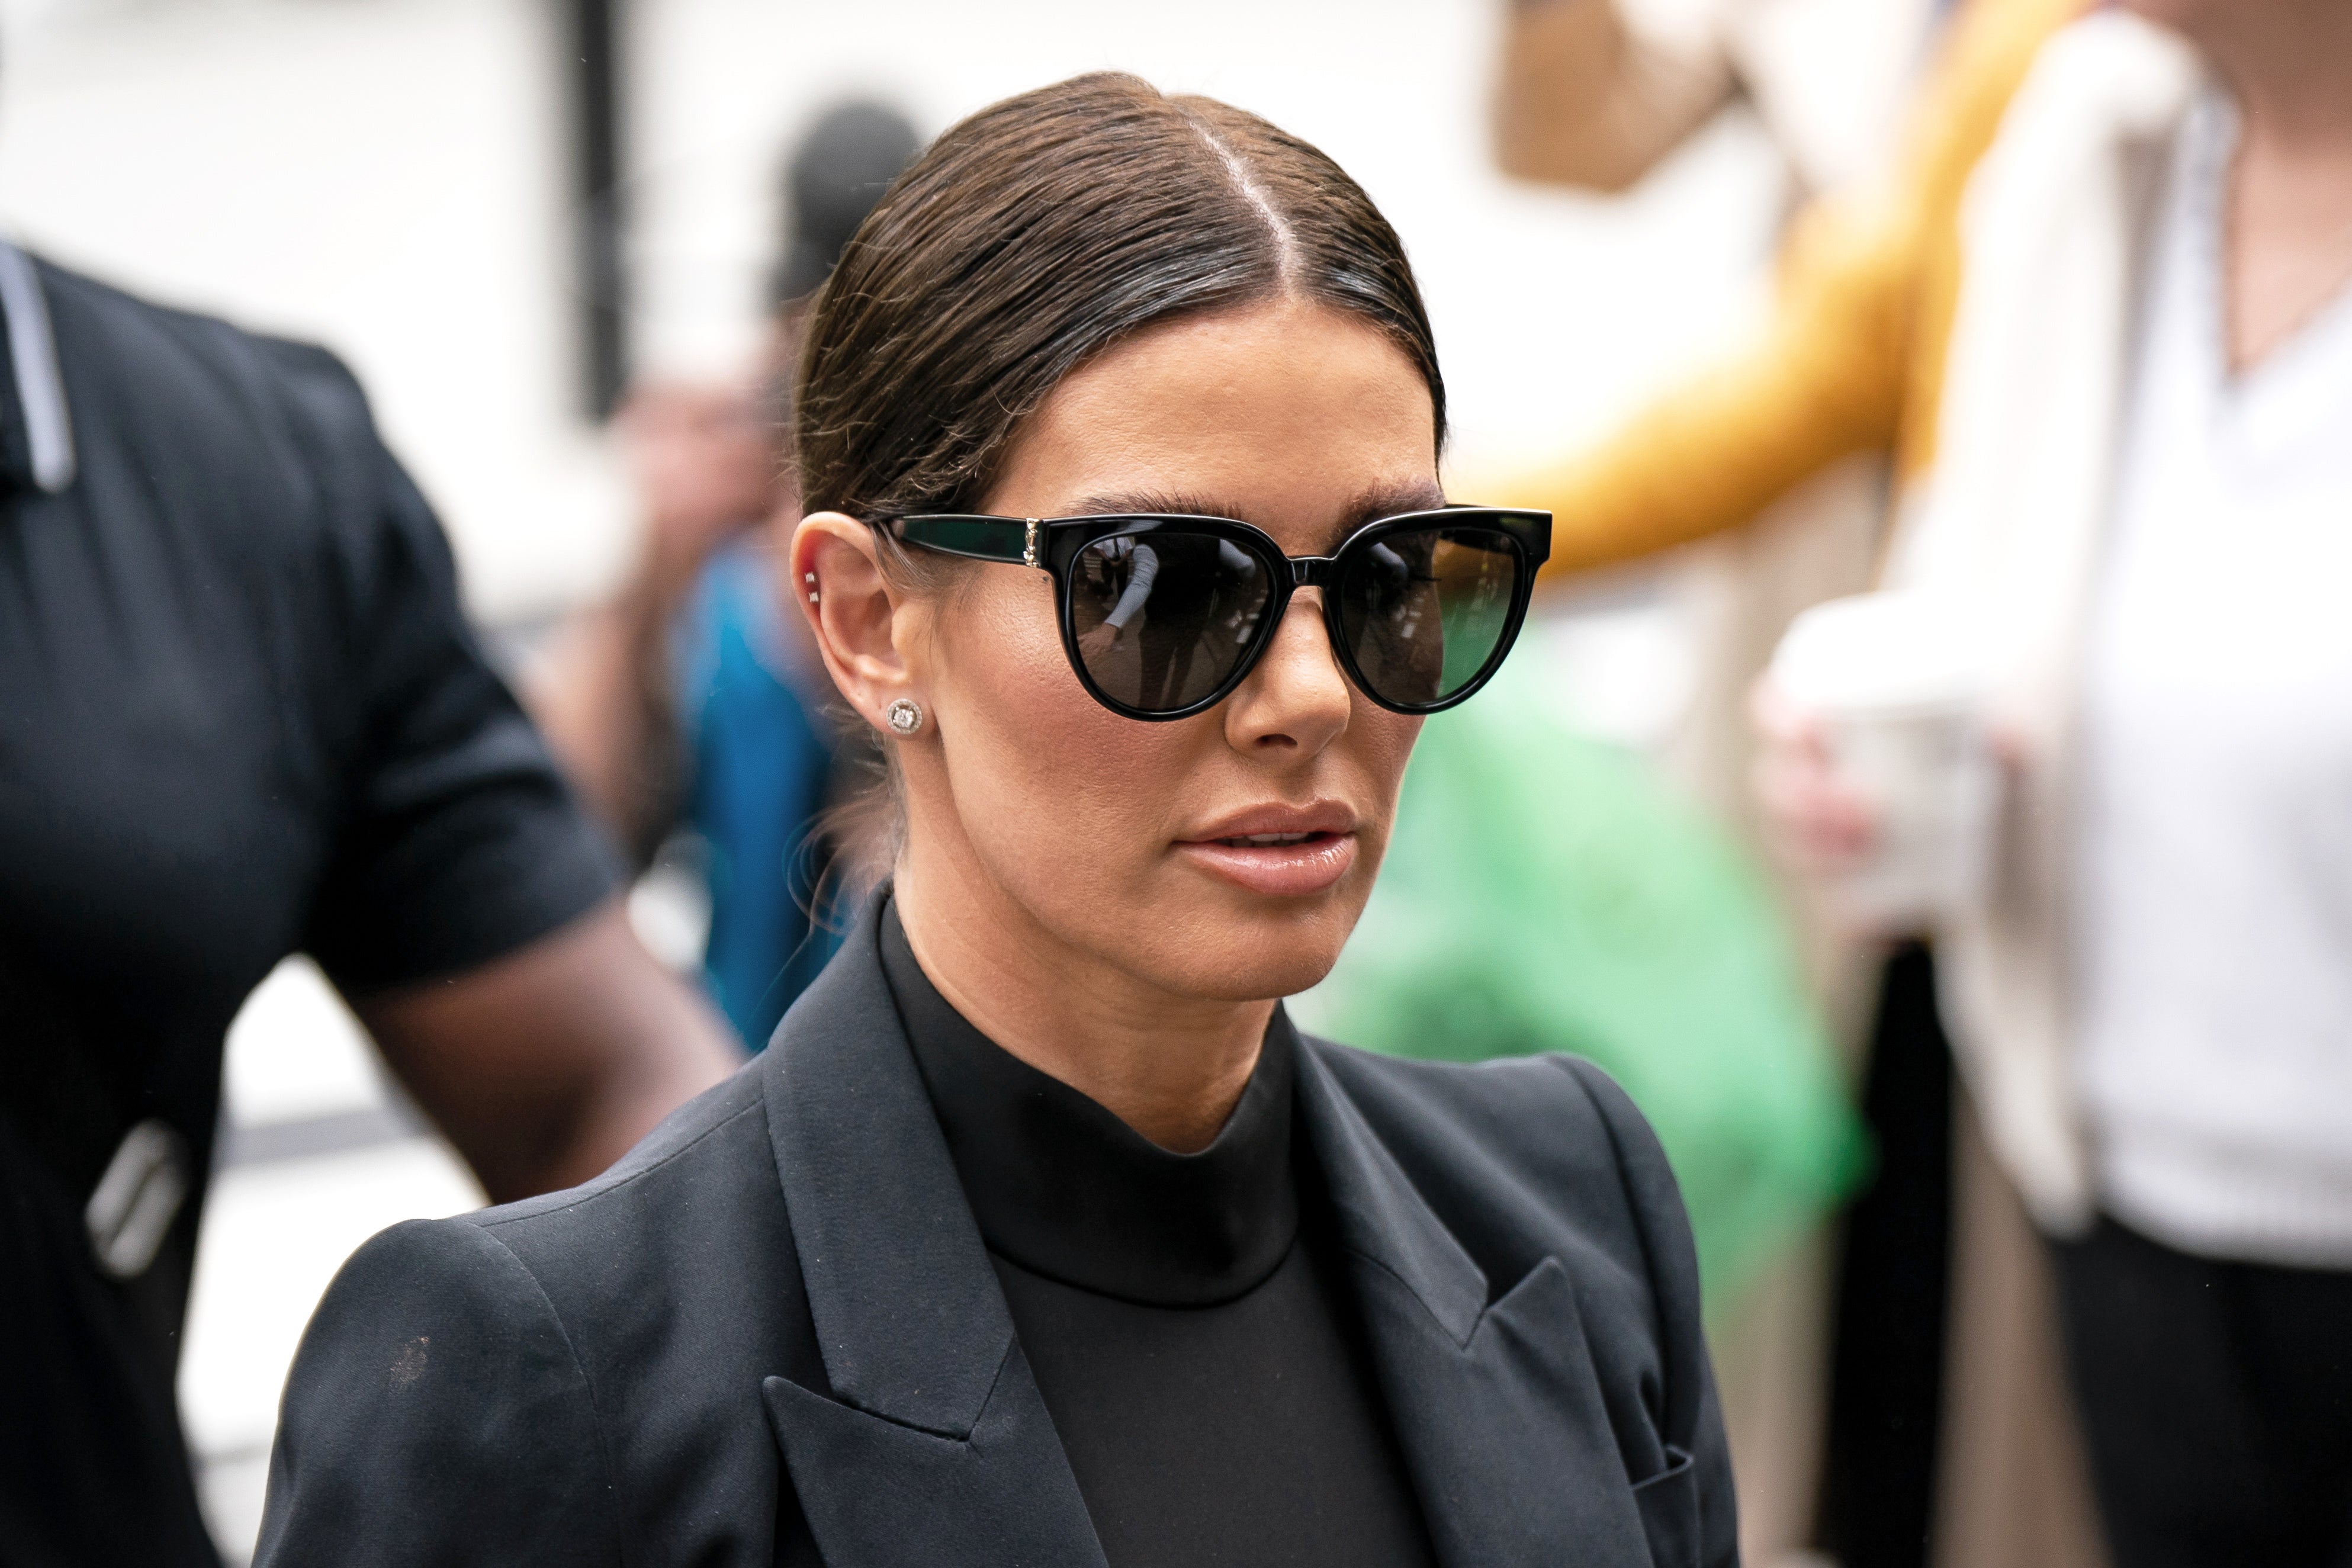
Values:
[(1041, 231)]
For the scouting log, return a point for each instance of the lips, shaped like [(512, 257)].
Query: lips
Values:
[(1277, 851)]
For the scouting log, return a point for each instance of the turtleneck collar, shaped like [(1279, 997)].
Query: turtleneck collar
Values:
[(1063, 1188)]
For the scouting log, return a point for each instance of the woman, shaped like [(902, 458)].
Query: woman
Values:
[(2140, 493), (1038, 1235)]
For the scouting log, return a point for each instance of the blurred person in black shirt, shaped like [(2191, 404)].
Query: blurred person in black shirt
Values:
[(241, 716)]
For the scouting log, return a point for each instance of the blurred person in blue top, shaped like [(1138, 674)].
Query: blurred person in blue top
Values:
[(690, 701)]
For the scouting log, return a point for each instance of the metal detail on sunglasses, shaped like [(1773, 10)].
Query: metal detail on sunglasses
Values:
[(1163, 614)]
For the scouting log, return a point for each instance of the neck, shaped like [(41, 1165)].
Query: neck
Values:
[(2286, 62), (2289, 245), (1170, 1067)]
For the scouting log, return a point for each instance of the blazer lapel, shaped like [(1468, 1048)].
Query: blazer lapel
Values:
[(933, 1443), (1497, 1406)]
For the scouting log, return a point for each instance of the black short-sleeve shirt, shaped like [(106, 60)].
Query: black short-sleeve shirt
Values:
[(241, 715)]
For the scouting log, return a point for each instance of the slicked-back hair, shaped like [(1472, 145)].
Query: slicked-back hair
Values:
[(1040, 232)]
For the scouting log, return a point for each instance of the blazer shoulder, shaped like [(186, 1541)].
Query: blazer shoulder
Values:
[(675, 1274), (1555, 1115), (572, 1377), (681, 1185), (1538, 1152), (436, 1412)]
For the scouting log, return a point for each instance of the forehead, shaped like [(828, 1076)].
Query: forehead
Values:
[(1290, 415)]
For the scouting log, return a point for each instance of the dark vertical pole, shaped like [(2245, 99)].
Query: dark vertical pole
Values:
[(593, 76)]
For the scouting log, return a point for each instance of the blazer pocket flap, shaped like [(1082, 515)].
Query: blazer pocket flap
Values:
[(1669, 1505)]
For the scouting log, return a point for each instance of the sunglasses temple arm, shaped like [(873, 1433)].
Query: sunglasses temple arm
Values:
[(1012, 541)]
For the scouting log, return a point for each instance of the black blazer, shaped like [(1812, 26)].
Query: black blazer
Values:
[(778, 1307)]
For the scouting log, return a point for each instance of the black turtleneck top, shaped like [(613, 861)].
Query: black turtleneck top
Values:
[(1186, 1315)]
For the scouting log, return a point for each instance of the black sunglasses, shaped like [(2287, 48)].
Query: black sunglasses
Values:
[(1162, 615)]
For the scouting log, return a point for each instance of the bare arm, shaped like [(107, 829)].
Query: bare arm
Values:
[(544, 1067)]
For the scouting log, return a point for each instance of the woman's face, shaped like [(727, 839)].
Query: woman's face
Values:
[(1124, 841)]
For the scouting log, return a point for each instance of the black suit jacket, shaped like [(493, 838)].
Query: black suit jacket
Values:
[(777, 1308)]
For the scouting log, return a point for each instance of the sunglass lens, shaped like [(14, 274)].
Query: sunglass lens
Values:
[(1425, 610), (1163, 617)]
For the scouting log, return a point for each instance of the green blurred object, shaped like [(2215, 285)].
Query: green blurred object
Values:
[(1548, 893)]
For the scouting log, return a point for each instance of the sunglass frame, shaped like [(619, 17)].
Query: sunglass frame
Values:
[(1053, 546)]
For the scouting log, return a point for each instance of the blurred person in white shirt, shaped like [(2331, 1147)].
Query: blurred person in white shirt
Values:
[(2144, 484)]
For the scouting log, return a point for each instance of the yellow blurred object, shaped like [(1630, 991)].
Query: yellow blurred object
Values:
[(1852, 359)]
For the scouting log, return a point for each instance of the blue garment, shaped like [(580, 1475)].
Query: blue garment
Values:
[(760, 759)]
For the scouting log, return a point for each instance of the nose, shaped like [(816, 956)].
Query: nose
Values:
[(1296, 700)]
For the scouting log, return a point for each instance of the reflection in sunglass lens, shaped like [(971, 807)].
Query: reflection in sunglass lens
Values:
[(1163, 616), (1424, 609)]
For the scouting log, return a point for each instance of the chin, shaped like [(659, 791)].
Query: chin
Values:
[(1257, 977), (1253, 948)]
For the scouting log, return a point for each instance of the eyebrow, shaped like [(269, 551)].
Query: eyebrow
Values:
[(1388, 501)]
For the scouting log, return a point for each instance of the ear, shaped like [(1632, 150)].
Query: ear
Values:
[(855, 617)]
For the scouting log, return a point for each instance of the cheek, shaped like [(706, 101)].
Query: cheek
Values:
[(1062, 799), (1378, 745)]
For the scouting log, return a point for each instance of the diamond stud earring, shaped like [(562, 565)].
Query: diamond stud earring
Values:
[(905, 715), (810, 578)]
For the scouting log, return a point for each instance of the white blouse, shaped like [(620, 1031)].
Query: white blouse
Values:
[(2213, 916)]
